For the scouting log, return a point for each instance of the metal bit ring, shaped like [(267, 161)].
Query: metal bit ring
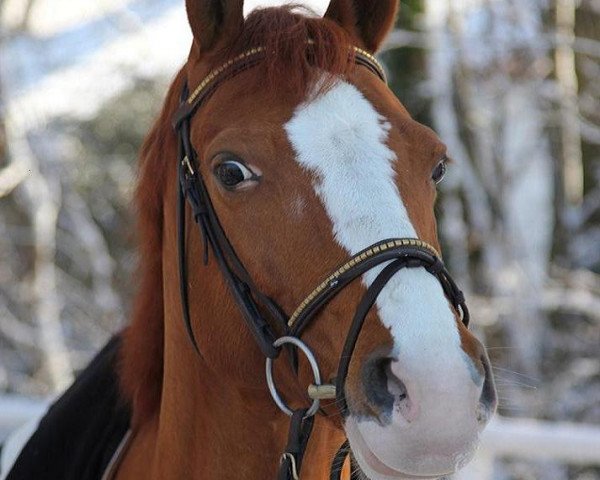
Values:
[(313, 365)]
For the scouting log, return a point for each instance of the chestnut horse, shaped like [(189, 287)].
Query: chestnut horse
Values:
[(294, 158)]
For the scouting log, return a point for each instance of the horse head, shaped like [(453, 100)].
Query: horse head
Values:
[(307, 159)]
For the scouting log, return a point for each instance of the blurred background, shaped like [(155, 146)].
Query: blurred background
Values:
[(512, 87)]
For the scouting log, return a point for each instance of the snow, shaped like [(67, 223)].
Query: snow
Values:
[(317, 6), (16, 411), (78, 70)]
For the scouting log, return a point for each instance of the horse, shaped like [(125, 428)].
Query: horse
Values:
[(286, 221)]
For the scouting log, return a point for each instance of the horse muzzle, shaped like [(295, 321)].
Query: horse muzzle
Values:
[(429, 416)]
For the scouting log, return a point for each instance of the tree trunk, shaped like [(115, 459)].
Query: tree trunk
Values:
[(566, 76), (41, 199), (486, 75)]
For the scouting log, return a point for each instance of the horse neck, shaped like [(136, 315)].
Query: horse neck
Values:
[(210, 428)]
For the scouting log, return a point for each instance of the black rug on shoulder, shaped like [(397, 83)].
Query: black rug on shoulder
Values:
[(79, 434)]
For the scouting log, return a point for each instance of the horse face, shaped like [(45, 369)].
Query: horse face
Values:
[(422, 389), (299, 185)]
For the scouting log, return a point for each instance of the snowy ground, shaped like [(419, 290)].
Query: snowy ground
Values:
[(15, 411)]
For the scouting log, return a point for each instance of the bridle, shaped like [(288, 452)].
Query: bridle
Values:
[(270, 326)]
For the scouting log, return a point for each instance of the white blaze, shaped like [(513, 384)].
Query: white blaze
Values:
[(342, 140)]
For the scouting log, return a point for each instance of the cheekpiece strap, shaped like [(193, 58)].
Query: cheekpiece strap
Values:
[(298, 436)]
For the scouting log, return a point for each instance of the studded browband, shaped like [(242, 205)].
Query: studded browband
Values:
[(247, 60)]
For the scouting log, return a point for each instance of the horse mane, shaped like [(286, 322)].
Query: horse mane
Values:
[(300, 49), (141, 358)]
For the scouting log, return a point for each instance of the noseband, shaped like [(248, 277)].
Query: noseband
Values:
[(270, 326)]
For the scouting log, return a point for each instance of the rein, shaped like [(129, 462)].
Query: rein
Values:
[(276, 329)]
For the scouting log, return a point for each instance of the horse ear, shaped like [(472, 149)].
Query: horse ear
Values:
[(369, 20), (212, 21)]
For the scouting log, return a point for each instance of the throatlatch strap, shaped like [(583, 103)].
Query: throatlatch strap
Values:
[(243, 290), (183, 281)]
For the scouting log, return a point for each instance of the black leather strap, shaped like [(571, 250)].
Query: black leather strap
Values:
[(366, 61), (237, 278), (244, 62), (183, 281), (420, 256), (337, 464), (358, 321), (187, 109), (298, 436)]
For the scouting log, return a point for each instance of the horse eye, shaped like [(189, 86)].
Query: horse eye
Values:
[(439, 171), (232, 173)]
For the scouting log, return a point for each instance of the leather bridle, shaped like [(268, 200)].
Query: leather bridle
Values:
[(270, 326)]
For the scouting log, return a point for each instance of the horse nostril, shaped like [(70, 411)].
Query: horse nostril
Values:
[(386, 391), (396, 387), (375, 382), (404, 403)]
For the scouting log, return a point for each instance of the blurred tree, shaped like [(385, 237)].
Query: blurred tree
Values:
[(404, 57)]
